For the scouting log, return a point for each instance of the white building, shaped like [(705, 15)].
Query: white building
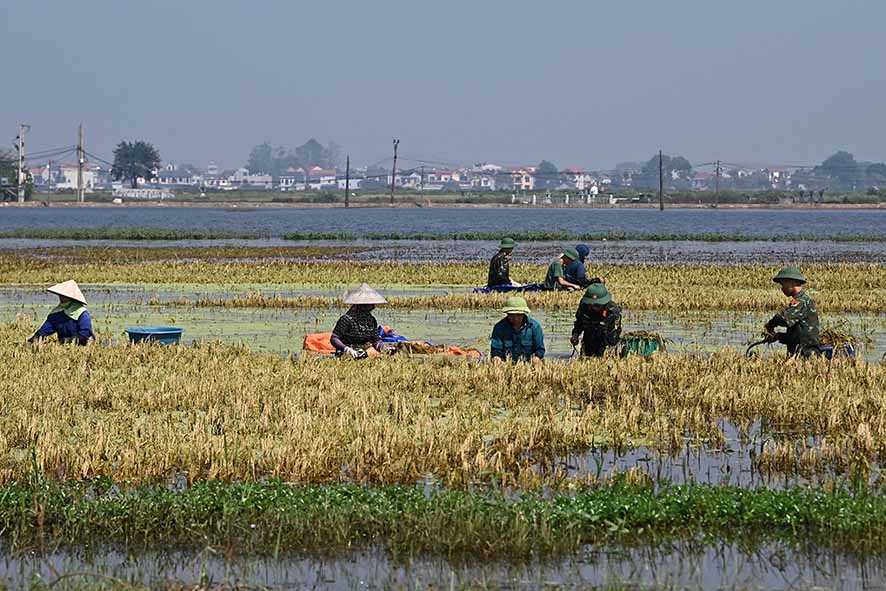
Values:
[(67, 178)]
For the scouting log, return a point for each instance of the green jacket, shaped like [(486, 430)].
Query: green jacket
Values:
[(555, 269), (801, 319)]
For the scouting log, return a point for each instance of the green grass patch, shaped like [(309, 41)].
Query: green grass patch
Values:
[(127, 234), (276, 517)]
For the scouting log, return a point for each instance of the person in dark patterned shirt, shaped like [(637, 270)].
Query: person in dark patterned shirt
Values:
[(357, 329), (800, 317), (500, 265)]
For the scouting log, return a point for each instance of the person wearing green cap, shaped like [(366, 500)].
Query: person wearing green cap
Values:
[(800, 317), (598, 318), (517, 336), (556, 276), (500, 265)]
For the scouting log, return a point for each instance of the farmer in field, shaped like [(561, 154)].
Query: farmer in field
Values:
[(500, 265), (357, 329), (517, 336), (556, 280), (598, 318), (576, 271), (70, 320), (800, 317)]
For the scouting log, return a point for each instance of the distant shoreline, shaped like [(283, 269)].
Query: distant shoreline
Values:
[(251, 205)]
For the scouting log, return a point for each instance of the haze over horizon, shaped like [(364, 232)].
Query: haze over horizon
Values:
[(579, 84)]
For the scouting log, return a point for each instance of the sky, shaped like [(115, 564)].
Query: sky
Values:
[(586, 83)]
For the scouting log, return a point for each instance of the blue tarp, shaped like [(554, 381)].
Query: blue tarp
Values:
[(510, 288)]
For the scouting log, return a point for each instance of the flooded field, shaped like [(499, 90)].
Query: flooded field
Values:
[(602, 252), (282, 330)]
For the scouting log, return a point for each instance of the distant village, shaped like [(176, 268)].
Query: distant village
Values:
[(166, 180)]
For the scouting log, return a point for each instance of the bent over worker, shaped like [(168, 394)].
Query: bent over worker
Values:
[(799, 317), (70, 320), (517, 336), (598, 318), (500, 264), (357, 329), (556, 275)]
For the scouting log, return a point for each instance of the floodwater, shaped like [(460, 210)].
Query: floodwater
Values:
[(282, 331), (766, 223), (687, 252), (683, 564)]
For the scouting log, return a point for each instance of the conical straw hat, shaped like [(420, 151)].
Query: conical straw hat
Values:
[(364, 295), (69, 289)]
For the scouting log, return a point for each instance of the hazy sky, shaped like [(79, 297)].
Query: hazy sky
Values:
[(582, 83)]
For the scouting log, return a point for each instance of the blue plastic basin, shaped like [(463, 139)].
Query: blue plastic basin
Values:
[(165, 335)]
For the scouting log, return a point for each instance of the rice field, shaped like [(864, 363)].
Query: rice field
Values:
[(250, 450)]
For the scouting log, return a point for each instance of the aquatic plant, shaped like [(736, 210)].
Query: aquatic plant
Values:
[(277, 518)]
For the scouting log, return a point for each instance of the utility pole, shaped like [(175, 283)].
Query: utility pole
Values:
[(22, 130), (422, 183), (717, 184), (81, 158), (394, 169), (49, 177), (347, 181), (660, 182)]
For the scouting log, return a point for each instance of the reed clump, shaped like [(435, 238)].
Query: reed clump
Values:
[(210, 411)]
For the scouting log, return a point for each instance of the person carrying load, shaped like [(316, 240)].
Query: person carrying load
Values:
[(555, 280), (800, 317), (70, 320), (598, 318), (517, 336), (500, 265), (356, 331)]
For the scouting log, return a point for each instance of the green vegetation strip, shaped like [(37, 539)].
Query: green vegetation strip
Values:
[(277, 517), (107, 233)]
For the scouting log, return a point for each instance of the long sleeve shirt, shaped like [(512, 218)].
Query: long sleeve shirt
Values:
[(355, 328), (519, 345), (601, 328), (68, 329), (801, 319), (499, 270)]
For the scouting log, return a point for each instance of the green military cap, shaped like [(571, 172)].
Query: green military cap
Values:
[(571, 253), (507, 244), (516, 305), (790, 273), (596, 294)]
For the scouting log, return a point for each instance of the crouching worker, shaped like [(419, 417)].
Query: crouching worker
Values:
[(517, 336), (556, 280), (357, 329), (70, 320), (598, 318), (500, 265), (799, 317)]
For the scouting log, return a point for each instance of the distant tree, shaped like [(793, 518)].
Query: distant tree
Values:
[(8, 168), (546, 175), (876, 173), (311, 153), (332, 155), (261, 159), (133, 160), (648, 177), (840, 166)]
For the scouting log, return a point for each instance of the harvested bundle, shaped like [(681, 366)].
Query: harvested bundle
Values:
[(838, 341), (642, 342)]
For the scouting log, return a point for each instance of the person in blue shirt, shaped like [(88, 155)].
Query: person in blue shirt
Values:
[(70, 320), (517, 336), (576, 272)]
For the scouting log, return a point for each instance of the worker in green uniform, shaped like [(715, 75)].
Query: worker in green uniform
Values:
[(500, 265), (598, 318), (555, 279), (517, 336), (800, 317)]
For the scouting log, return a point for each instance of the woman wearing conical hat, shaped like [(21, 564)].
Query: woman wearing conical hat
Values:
[(69, 320), (357, 329)]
